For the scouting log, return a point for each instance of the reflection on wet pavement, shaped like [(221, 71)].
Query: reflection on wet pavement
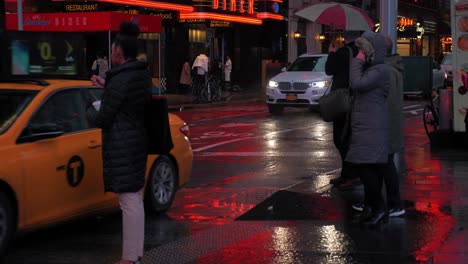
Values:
[(309, 222)]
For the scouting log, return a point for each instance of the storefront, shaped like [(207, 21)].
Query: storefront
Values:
[(62, 46), (214, 27)]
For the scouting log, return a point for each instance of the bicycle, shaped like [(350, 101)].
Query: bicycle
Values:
[(213, 90), (431, 114)]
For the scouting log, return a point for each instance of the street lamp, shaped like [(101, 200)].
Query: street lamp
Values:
[(297, 35), (321, 37)]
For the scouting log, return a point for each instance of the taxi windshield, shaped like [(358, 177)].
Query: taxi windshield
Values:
[(308, 64), (12, 103)]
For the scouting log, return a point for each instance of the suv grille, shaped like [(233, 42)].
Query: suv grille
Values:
[(295, 86)]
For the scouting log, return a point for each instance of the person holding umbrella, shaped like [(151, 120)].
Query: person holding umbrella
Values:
[(338, 65)]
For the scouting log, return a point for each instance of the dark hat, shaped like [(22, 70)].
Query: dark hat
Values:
[(351, 35)]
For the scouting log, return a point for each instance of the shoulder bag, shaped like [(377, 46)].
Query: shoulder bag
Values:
[(336, 103)]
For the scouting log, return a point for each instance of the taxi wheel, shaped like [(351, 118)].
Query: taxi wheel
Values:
[(162, 185), (7, 222)]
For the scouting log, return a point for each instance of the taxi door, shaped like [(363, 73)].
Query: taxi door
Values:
[(63, 174)]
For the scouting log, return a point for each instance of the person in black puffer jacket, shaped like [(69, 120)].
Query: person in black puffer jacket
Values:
[(127, 88), (338, 65)]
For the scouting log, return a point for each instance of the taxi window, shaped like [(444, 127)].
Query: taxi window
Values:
[(12, 103), (64, 108)]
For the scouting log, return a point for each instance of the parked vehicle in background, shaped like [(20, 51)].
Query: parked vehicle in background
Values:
[(51, 169), (447, 67), (299, 85)]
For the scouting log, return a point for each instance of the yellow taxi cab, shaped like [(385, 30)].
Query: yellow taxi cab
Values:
[(51, 166)]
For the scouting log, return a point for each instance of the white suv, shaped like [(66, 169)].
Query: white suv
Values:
[(300, 85)]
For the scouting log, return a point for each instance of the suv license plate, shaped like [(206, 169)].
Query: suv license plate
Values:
[(291, 97)]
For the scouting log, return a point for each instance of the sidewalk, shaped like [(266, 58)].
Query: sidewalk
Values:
[(178, 102)]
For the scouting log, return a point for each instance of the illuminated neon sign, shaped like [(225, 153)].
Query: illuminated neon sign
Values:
[(241, 6)]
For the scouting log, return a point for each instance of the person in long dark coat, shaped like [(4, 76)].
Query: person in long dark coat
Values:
[(396, 143), (368, 149), (127, 89), (338, 65)]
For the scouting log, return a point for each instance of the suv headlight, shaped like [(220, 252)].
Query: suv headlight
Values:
[(273, 84), (320, 84)]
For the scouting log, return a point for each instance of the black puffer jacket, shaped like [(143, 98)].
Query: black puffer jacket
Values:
[(121, 118), (338, 65)]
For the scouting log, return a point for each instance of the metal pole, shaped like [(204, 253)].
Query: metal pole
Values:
[(388, 20), (109, 49), (20, 15)]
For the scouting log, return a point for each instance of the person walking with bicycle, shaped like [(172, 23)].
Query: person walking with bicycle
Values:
[(201, 66)]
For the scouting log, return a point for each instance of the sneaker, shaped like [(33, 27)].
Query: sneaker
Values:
[(358, 207), (394, 212)]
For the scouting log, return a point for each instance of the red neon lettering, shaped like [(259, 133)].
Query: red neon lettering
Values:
[(251, 6), (215, 4), (241, 6), (233, 5), (225, 4)]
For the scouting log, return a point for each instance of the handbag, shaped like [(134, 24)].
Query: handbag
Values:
[(336, 103), (157, 126)]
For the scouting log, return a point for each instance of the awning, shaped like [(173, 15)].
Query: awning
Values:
[(82, 21)]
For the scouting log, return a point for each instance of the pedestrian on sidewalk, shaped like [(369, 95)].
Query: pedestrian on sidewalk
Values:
[(185, 79), (227, 72), (368, 149), (100, 65), (337, 64), (127, 89), (396, 143)]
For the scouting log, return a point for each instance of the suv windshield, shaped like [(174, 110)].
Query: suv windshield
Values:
[(308, 64), (12, 103)]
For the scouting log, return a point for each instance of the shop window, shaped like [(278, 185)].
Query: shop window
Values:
[(197, 36)]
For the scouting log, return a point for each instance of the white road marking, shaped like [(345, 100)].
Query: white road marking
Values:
[(245, 138), (414, 112), (261, 154), (237, 124), (230, 116), (410, 106)]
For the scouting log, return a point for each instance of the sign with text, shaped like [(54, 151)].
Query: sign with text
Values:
[(82, 21)]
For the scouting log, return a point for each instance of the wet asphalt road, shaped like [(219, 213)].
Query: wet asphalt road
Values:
[(259, 193)]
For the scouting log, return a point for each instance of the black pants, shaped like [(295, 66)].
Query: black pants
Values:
[(372, 179), (347, 170), (392, 184)]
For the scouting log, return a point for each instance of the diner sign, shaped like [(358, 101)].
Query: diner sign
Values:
[(82, 21)]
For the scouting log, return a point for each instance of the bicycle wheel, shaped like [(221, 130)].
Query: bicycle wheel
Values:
[(430, 120), (210, 92), (206, 94)]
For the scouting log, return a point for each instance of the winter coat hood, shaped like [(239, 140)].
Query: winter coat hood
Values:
[(374, 47)]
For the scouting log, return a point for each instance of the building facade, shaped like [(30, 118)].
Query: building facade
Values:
[(249, 31), (423, 28)]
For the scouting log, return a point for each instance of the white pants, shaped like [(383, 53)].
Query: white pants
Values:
[(227, 76), (133, 225)]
